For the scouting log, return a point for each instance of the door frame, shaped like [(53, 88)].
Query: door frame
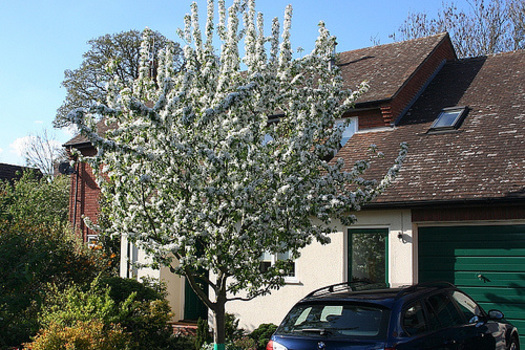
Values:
[(367, 229)]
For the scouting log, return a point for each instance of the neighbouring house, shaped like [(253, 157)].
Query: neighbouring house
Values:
[(12, 172), (457, 210)]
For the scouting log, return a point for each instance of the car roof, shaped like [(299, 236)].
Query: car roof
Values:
[(372, 294)]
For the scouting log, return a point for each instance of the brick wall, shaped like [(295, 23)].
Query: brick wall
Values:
[(413, 86), (368, 119), (472, 213), (83, 197), (385, 113)]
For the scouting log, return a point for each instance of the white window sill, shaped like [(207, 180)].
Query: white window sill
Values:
[(291, 280)]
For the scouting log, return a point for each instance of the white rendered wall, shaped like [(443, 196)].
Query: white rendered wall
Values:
[(321, 265), (174, 283)]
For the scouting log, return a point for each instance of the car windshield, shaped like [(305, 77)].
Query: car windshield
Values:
[(336, 320)]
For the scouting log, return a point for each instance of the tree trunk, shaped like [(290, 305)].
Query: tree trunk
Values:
[(219, 327)]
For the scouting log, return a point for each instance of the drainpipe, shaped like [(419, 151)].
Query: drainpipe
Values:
[(76, 199)]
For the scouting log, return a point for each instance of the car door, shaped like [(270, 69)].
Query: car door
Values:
[(421, 329), (446, 321), (480, 332)]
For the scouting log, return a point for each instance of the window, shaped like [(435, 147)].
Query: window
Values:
[(338, 320), (92, 241), (414, 319), (268, 260), (266, 139), (449, 118), (468, 307), (367, 255), (443, 312), (349, 130)]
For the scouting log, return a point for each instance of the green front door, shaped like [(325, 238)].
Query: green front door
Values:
[(368, 255), (487, 262), (194, 308)]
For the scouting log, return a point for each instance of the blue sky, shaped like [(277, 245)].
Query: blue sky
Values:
[(39, 39)]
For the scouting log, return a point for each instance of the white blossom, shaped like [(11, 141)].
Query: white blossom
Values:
[(190, 179)]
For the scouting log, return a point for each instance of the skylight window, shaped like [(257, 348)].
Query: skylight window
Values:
[(449, 118)]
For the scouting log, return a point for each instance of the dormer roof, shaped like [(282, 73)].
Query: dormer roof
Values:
[(388, 68)]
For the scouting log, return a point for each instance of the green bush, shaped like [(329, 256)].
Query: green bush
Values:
[(145, 318), (82, 335), (34, 201), (203, 335), (31, 256), (122, 288), (262, 334), (233, 332), (246, 343)]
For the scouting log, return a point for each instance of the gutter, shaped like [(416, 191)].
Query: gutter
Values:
[(518, 200)]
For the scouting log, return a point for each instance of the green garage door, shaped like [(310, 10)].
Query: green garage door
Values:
[(488, 262)]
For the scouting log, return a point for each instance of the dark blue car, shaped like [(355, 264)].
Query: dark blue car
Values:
[(365, 316)]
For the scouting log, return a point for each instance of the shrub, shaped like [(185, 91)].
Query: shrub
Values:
[(233, 332), (181, 343), (262, 334), (246, 343), (82, 335), (35, 201), (37, 248), (31, 257), (145, 319), (122, 288), (228, 346), (203, 335)]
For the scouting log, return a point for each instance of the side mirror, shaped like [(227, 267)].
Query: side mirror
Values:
[(477, 321), (496, 315)]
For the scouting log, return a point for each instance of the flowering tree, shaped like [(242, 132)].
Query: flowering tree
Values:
[(211, 167)]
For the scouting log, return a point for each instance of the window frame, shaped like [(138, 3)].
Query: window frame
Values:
[(431, 310), (274, 258), (478, 311), (404, 310), (92, 240), (353, 121), (455, 124), (385, 231)]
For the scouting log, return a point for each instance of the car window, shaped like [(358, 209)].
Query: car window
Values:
[(467, 306), (443, 312), (338, 320), (331, 312), (413, 321)]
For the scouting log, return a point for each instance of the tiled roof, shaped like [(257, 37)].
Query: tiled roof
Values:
[(10, 172), (483, 160), (386, 67), (82, 140)]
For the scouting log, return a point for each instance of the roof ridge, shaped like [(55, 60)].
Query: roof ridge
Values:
[(442, 34)]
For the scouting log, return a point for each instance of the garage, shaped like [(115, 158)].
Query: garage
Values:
[(488, 262)]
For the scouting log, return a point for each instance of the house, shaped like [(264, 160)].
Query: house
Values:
[(457, 210), (84, 193), (12, 172)]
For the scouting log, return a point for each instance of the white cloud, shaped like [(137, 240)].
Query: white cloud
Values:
[(69, 131), (20, 145), (39, 122)]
